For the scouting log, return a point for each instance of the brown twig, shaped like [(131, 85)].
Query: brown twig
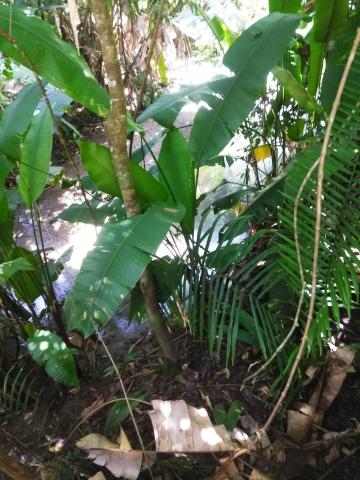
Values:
[(321, 162)]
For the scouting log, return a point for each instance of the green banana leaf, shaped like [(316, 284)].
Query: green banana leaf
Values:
[(330, 17), (101, 212), (5, 168), (250, 59), (284, 6), (176, 167), (27, 283), (109, 272), (336, 60), (35, 157), (7, 269), (97, 160), (295, 89), (317, 54), (40, 48), (167, 108), (16, 119)]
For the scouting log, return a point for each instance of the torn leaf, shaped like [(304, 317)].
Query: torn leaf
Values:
[(117, 458), (179, 427)]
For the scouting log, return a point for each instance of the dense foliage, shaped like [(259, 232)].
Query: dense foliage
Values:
[(247, 265)]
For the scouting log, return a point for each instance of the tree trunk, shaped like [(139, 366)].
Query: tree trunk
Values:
[(116, 132)]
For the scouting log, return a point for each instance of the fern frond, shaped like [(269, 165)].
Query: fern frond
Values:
[(339, 258)]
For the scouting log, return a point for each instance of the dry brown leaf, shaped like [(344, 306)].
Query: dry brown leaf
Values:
[(229, 471), (299, 426), (338, 365), (206, 398), (257, 475), (333, 455), (98, 476), (118, 459), (243, 438), (249, 424), (182, 428)]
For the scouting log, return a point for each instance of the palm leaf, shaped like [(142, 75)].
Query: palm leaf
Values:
[(339, 260), (109, 272), (250, 59)]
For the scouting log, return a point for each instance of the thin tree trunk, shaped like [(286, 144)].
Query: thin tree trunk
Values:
[(116, 132)]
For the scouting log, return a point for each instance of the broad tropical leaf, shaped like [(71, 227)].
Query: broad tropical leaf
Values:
[(176, 168), (295, 89), (317, 53), (167, 108), (250, 59), (284, 6), (36, 156), (27, 283), (55, 60), (336, 59), (49, 351), (7, 269), (97, 160), (101, 211), (108, 273), (5, 168), (16, 119), (330, 17)]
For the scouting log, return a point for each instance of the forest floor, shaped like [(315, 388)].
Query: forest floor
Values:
[(56, 417)]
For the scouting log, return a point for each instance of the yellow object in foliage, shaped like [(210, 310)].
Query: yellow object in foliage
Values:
[(261, 152), (239, 208)]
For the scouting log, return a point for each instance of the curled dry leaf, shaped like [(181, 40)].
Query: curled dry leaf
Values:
[(258, 475), (229, 471), (118, 458), (338, 364), (98, 476), (179, 427)]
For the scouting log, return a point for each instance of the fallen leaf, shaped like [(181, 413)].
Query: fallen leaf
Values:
[(257, 475), (243, 438), (229, 471), (299, 426), (98, 476), (117, 458), (333, 455), (248, 424), (179, 427), (338, 364)]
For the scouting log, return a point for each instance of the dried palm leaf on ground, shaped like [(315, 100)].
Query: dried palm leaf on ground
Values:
[(177, 426)]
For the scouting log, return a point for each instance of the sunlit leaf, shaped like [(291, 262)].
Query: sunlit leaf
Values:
[(49, 351)]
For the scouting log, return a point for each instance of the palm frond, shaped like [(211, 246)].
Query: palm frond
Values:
[(277, 265)]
